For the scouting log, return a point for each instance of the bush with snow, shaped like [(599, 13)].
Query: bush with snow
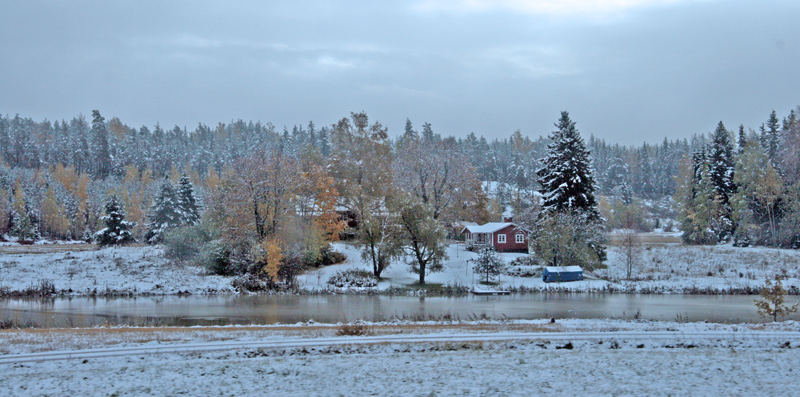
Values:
[(524, 266), (353, 278)]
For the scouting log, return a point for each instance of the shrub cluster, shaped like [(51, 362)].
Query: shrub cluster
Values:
[(524, 266), (354, 329), (353, 278)]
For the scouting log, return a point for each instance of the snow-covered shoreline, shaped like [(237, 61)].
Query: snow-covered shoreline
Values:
[(142, 271), (288, 336), (595, 357)]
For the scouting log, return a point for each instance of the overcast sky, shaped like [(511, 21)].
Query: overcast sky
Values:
[(627, 70)]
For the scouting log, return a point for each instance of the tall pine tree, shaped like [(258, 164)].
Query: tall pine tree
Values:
[(721, 163), (566, 177), (100, 146), (771, 137)]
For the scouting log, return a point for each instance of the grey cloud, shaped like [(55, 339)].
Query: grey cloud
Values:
[(637, 75)]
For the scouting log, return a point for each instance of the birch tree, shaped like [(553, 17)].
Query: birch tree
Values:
[(361, 165)]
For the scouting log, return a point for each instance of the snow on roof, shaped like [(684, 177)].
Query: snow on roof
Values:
[(563, 269), (490, 227)]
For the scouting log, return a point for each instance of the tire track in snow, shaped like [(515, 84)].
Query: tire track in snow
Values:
[(396, 339)]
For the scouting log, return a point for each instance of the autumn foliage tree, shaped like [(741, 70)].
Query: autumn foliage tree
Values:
[(276, 213), (439, 175), (361, 165), (773, 301), (423, 238), (53, 219), (5, 212), (755, 205)]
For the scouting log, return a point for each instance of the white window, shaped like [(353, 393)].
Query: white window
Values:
[(501, 238), (519, 238)]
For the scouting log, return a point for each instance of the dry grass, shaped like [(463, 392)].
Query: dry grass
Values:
[(36, 340), (45, 248), (646, 239)]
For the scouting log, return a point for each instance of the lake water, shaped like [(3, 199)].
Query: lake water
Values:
[(232, 309)]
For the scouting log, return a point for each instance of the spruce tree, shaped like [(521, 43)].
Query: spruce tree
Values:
[(742, 142), (409, 132), (324, 143), (164, 213), (566, 177), (720, 160), (5, 140), (100, 146), (427, 132), (187, 204), (770, 137), (117, 230), (644, 173), (23, 229)]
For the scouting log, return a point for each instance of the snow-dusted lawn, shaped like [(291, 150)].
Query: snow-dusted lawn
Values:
[(680, 268), (663, 268), (457, 271), (525, 370), (134, 270), (606, 357)]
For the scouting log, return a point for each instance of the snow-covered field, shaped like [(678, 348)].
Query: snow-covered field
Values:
[(576, 357), (660, 268), (665, 268), (124, 270)]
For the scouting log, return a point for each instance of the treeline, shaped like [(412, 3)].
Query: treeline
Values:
[(744, 186), (275, 198), (272, 202), (102, 149)]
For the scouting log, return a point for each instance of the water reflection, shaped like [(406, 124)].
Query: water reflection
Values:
[(257, 309)]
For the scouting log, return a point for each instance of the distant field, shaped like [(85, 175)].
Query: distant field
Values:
[(646, 239), (45, 248)]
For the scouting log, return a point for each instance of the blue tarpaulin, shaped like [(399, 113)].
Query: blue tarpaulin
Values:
[(562, 273)]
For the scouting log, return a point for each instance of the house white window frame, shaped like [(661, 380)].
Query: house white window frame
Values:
[(501, 238), (519, 238)]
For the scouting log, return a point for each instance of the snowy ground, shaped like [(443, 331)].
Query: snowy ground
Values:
[(680, 268), (659, 268), (125, 270), (575, 357), (662, 268)]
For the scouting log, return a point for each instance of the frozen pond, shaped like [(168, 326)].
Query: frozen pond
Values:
[(233, 309)]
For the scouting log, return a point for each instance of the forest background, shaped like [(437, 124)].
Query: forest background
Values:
[(268, 202)]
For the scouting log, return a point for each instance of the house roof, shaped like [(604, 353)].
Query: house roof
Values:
[(490, 227), (563, 269)]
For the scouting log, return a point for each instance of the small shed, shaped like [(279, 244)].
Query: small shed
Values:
[(562, 273)]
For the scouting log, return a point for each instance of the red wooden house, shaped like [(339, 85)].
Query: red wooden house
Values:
[(503, 236)]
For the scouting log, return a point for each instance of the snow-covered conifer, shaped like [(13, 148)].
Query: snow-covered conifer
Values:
[(721, 164), (566, 177), (164, 213), (771, 137), (187, 203), (488, 263), (117, 230)]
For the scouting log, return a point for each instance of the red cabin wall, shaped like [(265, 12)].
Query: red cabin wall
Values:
[(510, 245)]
